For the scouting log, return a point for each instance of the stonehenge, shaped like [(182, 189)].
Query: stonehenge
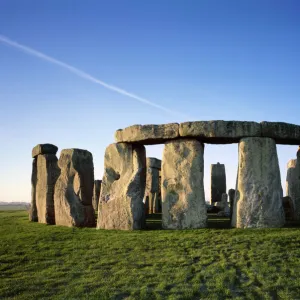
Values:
[(64, 191), (152, 191), (218, 182)]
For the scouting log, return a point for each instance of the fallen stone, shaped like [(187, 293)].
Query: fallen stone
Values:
[(183, 200), (44, 149), (96, 194), (121, 200), (74, 189), (217, 182), (148, 134), (219, 132), (259, 192), (33, 217), (282, 133)]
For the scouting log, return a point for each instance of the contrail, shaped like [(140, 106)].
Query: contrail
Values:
[(82, 74)]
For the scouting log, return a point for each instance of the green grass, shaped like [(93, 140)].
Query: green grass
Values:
[(40, 261)]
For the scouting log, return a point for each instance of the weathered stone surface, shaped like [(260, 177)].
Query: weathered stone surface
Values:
[(183, 200), (282, 133), (223, 204), (153, 162), (231, 195), (121, 199), (289, 209), (219, 132), (47, 174), (148, 134), (217, 182), (44, 149), (259, 192), (33, 211), (74, 189), (96, 194)]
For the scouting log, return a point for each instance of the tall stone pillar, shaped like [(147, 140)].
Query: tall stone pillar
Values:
[(44, 175), (218, 182), (152, 191), (96, 194), (123, 186), (183, 200), (74, 189), (259, 193), (231, 195)]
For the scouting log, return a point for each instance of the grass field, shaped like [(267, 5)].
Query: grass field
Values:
[(40, 261)]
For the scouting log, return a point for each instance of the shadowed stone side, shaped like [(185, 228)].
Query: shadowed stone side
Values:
[(121, 199), (33, 211), (231, 195), (148, 134), (44, 149), (259, 192), (183, 200), (217, 182), (219, 131), (47, 174), (74, 189), (96, 194)]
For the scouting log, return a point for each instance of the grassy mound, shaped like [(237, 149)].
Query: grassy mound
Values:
[(40, 261)]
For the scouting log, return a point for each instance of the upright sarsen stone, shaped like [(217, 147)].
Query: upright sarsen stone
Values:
[(218, 182), (183, 200), (74, 189), (121, 199), (259, 192), (33, 211), (96, 194)]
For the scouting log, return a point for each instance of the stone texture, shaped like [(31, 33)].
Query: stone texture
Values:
[(259, 192), (223, 204), (121, 200), (74, 189), (282, 133), (183, 200), (231, 195), (289, 209), (33, 211), (153, 162), (148, 134), (96, 194), (217, 182), (47, 174), (220, 132), (44, 149)]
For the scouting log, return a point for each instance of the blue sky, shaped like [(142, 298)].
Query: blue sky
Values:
[(231, 60)]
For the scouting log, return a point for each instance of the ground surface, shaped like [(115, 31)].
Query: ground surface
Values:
[(40, 261)]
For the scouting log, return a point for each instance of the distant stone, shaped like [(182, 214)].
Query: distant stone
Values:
[(289, 209), (259, 191), (282, 133), (219, 132), (223, 204), (153, 162), (148, 134), (121, 199), (217, 181), (47, 174), (96, 194), (231, 195), (183, 200), (33, 217), (44, 149), (74, 189)]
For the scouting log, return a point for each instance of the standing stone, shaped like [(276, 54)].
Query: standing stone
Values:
[(259, 192), (231, 195), (183, 200), (289, 209), (223, 204), (33, 211), (218, 182), (152, 199), (96, 194), (74, 189), (121, 200), (44, 175)]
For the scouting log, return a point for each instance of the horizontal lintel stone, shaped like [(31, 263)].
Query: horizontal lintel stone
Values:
[(44, 149)]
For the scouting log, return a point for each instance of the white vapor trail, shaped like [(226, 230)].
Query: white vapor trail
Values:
[(28, 50)]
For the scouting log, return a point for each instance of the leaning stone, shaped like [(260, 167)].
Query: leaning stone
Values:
[(121, 200), (33, 211), (282, 133), (259, 192), (217, 181), (148, 134), (44, 149), (47, 174), (74, 189), (153, 162), (219, 132), (183, 200), (96, 194)]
